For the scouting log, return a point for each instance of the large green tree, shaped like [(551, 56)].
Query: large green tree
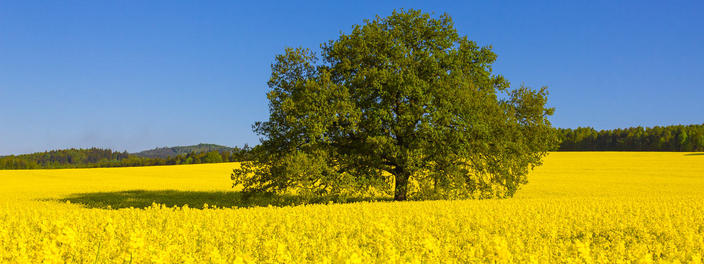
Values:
[(401, 105)]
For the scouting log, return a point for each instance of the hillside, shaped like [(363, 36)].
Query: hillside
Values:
[(167, 152)]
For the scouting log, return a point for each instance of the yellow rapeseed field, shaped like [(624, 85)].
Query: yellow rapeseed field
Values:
[(580, 207)]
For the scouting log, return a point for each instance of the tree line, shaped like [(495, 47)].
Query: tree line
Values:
[(687, 138), (100, 158)]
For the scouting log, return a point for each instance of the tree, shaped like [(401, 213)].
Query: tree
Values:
[(404, 105), (212, 157)]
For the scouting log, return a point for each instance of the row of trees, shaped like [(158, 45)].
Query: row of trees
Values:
[(95, 157), (668, 138), (687, 138)]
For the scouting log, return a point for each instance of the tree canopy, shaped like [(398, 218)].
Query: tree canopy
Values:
[(401, 105)]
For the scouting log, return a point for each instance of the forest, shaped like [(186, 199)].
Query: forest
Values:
[(100, 158), (687, 138)]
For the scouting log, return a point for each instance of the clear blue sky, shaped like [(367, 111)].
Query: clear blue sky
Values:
[(133, 75)]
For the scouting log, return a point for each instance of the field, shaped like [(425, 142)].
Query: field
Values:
[(580, 207)]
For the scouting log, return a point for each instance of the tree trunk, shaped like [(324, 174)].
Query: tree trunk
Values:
[(401, 188)]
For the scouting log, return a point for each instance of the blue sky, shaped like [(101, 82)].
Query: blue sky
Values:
[(134, 75)]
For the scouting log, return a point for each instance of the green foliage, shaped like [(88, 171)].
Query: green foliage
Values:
[(402, 105), (68, 158), (16, 163), (668, 138), (212, 157), (167, 152), (99, 158)]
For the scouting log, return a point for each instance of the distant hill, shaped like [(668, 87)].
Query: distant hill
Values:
[(167, 152)]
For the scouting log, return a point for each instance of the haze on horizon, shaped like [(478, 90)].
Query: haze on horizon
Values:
[(131, 75)]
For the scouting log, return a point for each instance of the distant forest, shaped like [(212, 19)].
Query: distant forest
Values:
[(166, 152), (688, 138), (98, 158)]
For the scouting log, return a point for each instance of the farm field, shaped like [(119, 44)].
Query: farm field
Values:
[(579, 207)]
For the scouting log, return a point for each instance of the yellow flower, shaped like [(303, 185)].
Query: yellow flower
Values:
[(136, 242), (578, 208)]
